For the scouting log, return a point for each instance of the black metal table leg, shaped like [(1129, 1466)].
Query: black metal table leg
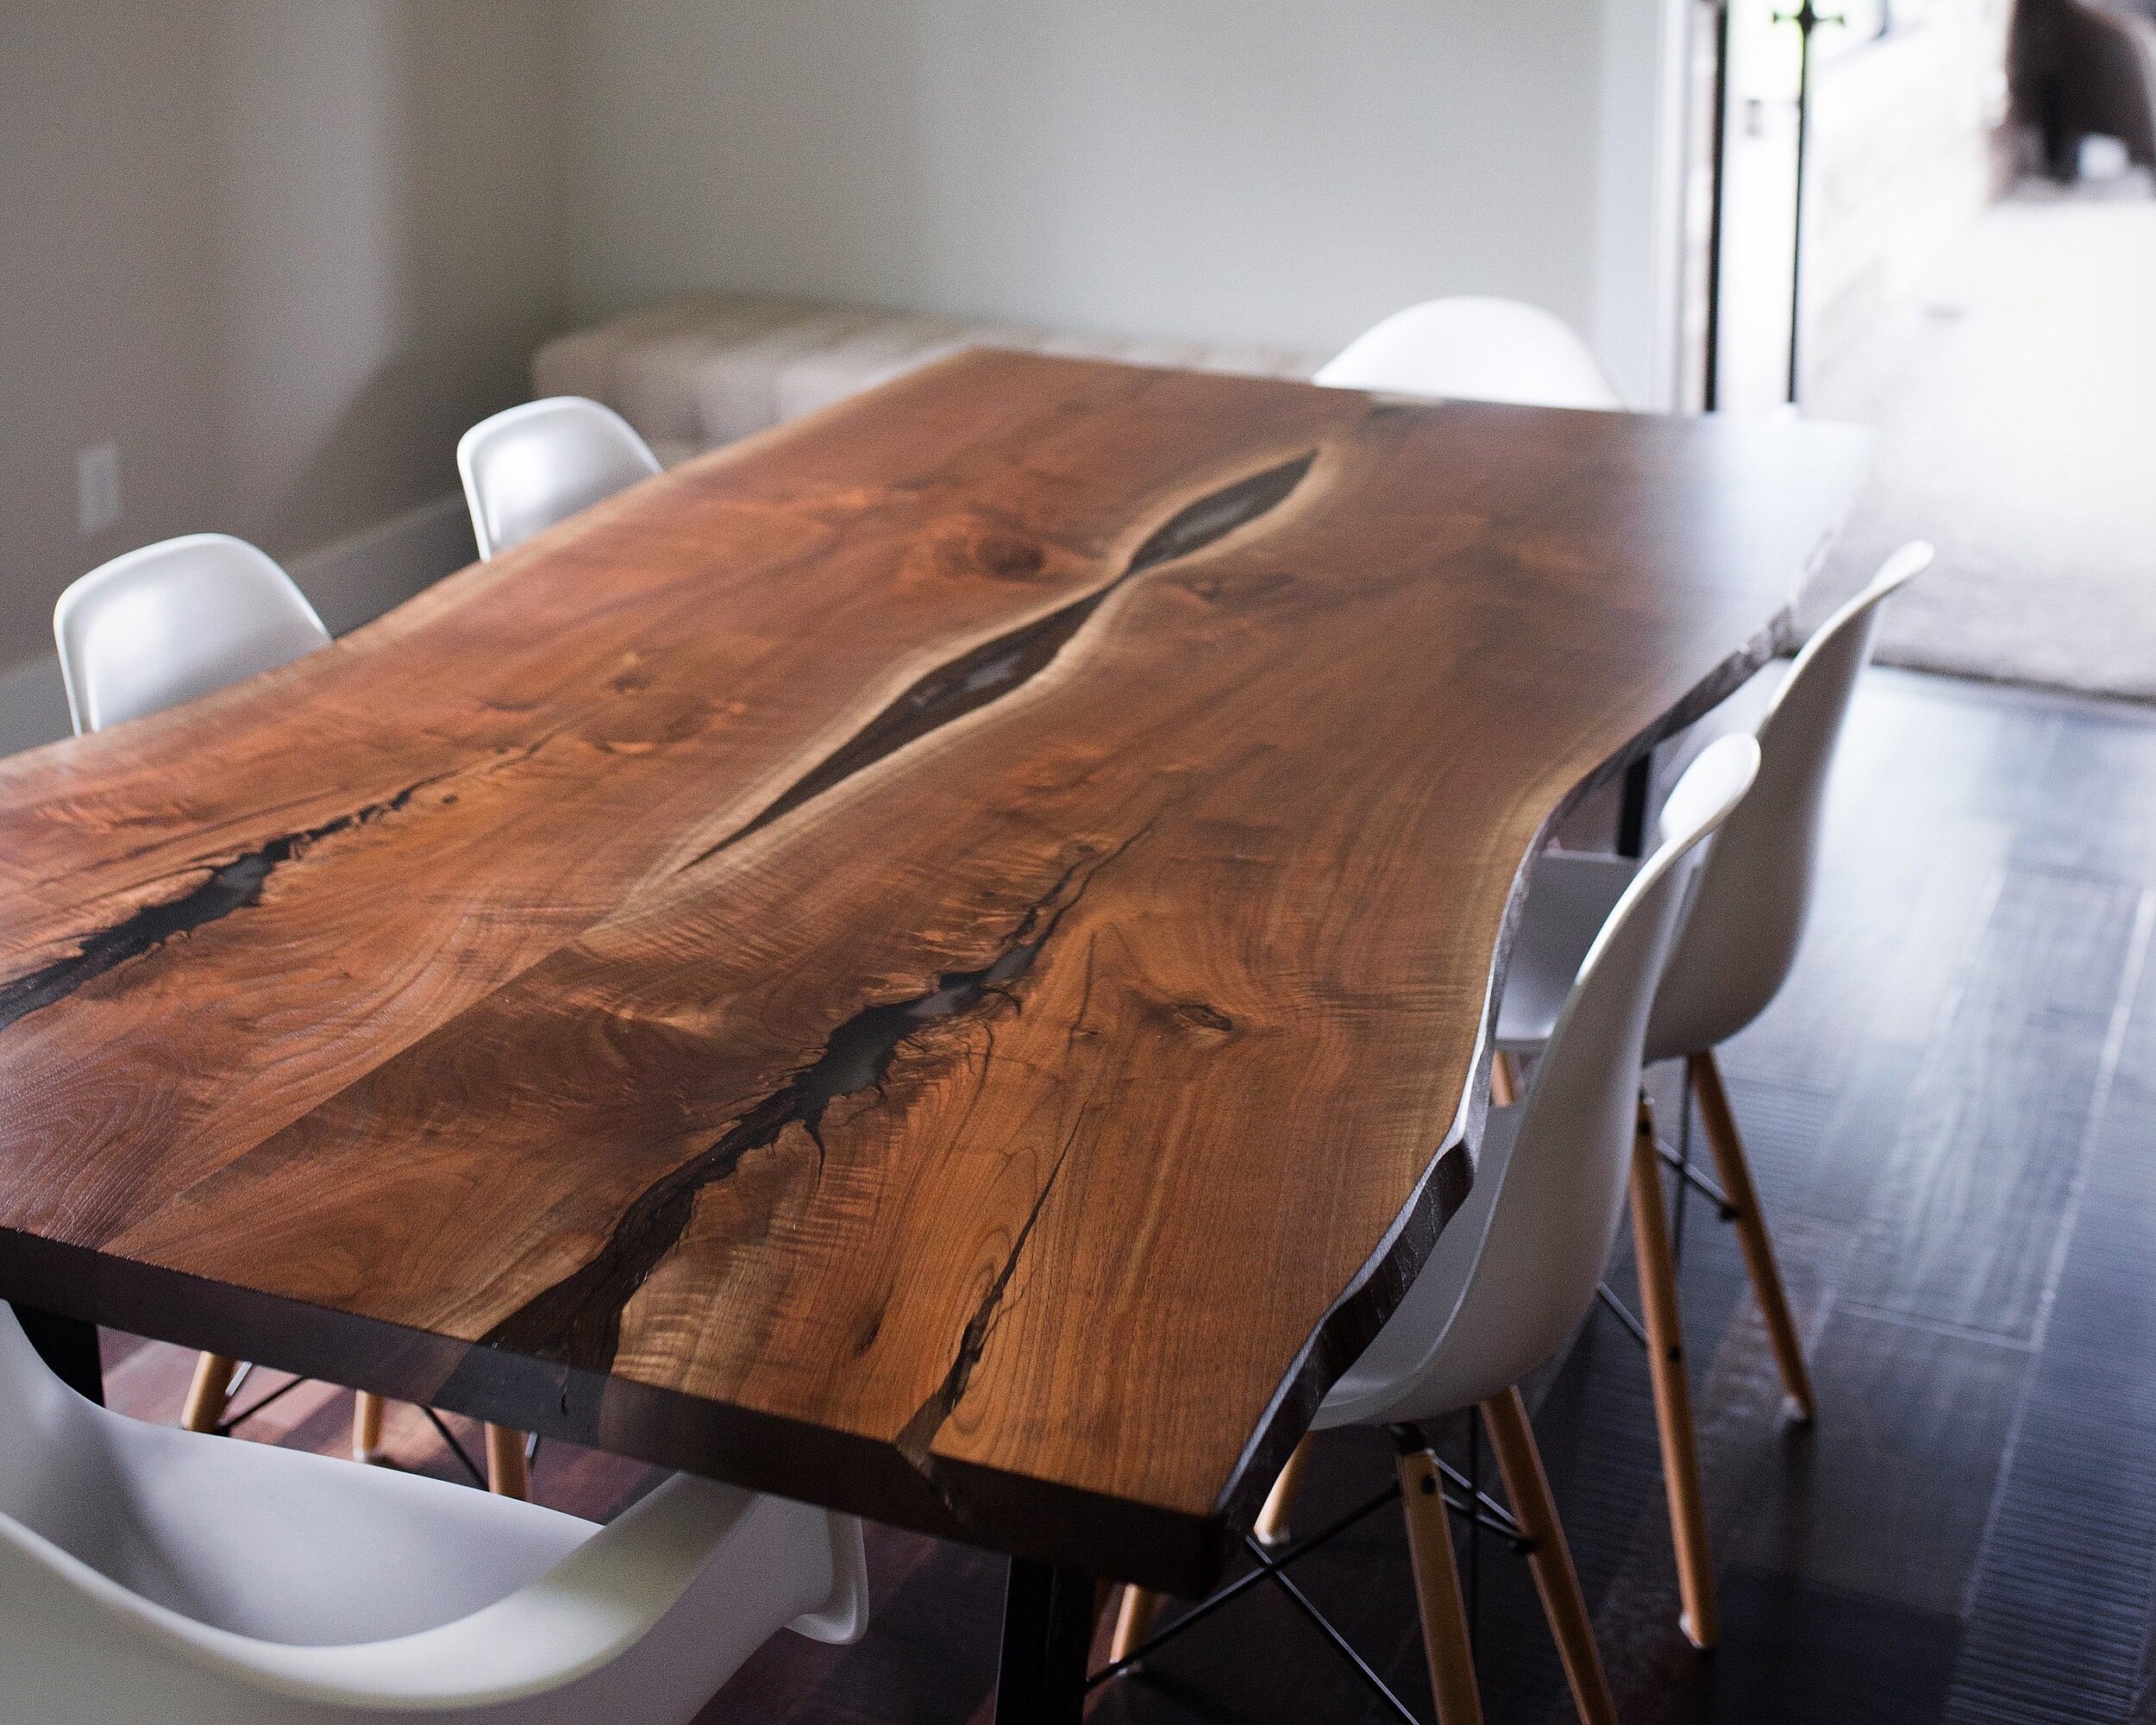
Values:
[(1631, 815), (70, 1347), (1047, 1635)]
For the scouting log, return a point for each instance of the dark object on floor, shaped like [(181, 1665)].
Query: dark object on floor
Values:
[(2083, 68)]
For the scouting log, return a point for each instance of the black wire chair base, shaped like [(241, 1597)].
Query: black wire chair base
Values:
[(231, 1422), (1699, 1181), (479, 1474), (1464, 1499), (1623, 1313), (1242, 1584), (1341, 1645), (448, 1437)]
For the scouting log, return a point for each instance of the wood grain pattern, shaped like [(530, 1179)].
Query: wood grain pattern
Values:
[(934, 961)]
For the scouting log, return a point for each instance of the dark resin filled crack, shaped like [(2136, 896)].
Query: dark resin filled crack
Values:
[(995, 667), (229, 886), (919, 1432), (577, 1321), (232, 885), (971, 681)]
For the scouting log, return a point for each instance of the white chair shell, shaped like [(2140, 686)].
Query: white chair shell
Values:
[(1740, 937), (150, 1575), (529, 466), (176, 620), (1753, 896), (1481, 349), (1514, 1273)]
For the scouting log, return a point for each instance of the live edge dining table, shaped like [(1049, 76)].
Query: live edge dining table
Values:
[(937, 960)]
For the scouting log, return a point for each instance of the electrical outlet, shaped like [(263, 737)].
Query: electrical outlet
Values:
[(96, 488)]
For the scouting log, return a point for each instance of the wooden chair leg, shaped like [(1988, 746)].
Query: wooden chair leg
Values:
[(1735, 1171), (1271, 1530), (1133, 1622), (206, 1394), (507, 1473), (1520, 1462), (366, 1427), (1444, 1638), (1673, 1390), (1504, 1079)]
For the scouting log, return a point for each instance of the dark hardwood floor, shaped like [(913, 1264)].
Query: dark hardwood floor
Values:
[(1952, 1110)]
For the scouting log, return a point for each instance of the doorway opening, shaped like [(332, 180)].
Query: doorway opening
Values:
[(1971, 277)]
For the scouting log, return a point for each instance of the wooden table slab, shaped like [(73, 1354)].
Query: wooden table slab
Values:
[(934, 961)]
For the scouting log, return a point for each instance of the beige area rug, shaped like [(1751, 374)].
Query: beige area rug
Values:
[(2015, 406)]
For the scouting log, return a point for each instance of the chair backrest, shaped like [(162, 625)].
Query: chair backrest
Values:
[(1483, 349), (175, 620), (1515, 1271), (148, 1573), (1754, 892), (529, 466)]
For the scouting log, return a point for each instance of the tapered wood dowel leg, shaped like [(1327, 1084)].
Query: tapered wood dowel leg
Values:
[(366, 1427), (1520, 1462), (1504, 1079), (1133, 1622), (1272, 1520), (507, 1474), (1734, 1168), (1444, 1637), (1673, 1390), (206, 1394)]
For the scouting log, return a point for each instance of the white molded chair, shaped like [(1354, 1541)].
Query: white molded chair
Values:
[(1482, 350), (175, 620), (531, 465), (1516, 1270), (161, 625), (155, 1576), (1739, 942)]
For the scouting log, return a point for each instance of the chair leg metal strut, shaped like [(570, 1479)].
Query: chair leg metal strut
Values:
[(1431, 1492)]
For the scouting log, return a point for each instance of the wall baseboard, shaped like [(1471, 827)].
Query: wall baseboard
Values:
[(350, 581), (355, 579)]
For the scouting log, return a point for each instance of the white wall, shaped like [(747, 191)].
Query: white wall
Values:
[(1641, 181), (106, 283), (1275, 171), (280, 251)]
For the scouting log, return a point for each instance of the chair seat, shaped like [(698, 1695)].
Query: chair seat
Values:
[(1569, 899)]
